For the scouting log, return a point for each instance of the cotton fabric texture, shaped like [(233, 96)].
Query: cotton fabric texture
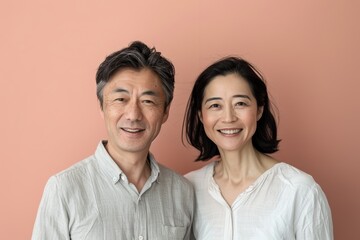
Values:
[(93, 200), (283, 203)]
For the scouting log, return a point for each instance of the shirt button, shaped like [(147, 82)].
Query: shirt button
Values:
[(141, 237), (123, 177), (114, 179)]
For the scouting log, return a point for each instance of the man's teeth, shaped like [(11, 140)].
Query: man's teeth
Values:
[(132, 130), (230, 131)]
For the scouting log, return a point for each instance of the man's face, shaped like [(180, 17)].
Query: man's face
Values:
[(133, 110)]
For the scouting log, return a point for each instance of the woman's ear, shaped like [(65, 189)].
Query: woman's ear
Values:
[(259, 113), (200, 115)]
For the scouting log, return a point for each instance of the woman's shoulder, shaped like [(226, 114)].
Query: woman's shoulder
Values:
[(293, 175), (201, 173)]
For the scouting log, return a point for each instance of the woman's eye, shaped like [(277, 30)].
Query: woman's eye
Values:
[(215, 105), (241, 104)]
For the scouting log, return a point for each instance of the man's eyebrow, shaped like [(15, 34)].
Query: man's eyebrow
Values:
[(119, 90), (150, 93), (146, 93)]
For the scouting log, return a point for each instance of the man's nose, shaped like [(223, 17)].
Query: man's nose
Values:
[(133, 111)]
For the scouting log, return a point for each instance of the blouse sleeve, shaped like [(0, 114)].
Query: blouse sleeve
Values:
[(52, 219), (314, 221)]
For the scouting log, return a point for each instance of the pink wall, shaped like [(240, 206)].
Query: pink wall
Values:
[(308, 51)]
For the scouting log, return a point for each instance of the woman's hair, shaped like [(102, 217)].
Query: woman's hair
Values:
[(265, 137), (137, 56)]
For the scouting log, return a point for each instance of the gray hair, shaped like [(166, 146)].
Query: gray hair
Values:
[(137, 56)]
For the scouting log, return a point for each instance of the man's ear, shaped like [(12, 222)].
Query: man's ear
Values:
[(166, 114), (259, 113), (101, 111)]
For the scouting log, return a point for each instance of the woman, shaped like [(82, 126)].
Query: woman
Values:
[(244, 193)]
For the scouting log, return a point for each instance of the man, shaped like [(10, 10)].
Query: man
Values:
[(121, 192)]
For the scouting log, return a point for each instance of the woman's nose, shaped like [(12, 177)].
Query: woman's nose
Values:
[(229, 114)]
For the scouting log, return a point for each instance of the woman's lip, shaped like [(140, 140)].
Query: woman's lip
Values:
[(230, 131)]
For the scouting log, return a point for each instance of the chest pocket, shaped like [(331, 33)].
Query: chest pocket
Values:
[(171, 232)]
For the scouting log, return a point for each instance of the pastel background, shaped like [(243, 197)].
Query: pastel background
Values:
[(50, 50)]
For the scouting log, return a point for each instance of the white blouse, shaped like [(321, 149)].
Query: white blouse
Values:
[(283, 203)]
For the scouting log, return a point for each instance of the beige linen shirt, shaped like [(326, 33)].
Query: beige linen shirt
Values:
[(93, 200)]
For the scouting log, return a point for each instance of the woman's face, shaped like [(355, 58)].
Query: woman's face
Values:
[(229, 112)]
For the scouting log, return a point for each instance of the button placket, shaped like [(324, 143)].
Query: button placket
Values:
[(141, 218)]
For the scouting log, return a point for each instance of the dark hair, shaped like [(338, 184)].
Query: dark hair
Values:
[(265, 137), (137, 56)]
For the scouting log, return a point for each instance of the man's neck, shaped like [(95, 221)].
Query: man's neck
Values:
[(135, 166)]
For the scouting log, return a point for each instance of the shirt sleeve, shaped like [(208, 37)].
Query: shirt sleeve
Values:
[(191, 229), (314, 222), (52, 219)]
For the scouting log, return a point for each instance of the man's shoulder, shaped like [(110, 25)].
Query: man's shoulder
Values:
[(76, 172), (168, 174), (166, 171)]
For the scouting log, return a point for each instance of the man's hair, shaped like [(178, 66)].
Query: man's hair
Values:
[(136, 56), (265, 136)]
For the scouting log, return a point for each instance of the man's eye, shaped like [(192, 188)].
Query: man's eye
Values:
[(148, 101), (119, 99)]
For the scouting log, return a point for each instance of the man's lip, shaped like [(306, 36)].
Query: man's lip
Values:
[(132, 130)]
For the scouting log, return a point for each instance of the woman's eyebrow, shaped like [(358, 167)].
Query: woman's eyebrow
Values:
[(212, 99), (241, 96), (235, 96)]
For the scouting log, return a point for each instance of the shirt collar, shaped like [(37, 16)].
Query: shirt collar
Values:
[(113, 171), (155, 170)]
